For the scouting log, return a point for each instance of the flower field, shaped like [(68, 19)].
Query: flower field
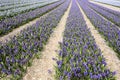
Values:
[(79, 56), (9, 24), (21, 49), (110, 31)]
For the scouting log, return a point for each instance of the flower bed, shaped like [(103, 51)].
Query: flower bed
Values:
[(9, 24), (104, 12), (16, 55), (79, 57), (110, 32)]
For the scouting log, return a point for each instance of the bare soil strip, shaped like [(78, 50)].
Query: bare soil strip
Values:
[(105, 5), (44, 68), (17, 31), (113, 63)]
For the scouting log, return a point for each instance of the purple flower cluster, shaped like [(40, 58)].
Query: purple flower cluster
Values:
[(107, 9), (79, 57), (16, 54), (110, 32), (104, 12), (9, 24)]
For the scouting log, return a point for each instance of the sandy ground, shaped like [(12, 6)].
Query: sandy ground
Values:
[(105, 5), (113, 63), (44, 68), (17, 31)]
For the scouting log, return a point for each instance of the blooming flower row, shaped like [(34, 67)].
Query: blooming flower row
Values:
[(110, 32), (17, 10), (9, 24), (104, 12), (17, 54), (107, 9), (79, 57)]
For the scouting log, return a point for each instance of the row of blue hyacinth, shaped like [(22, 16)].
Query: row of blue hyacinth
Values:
[(8, 24), (16, 55), (108, 9), (110, 32), (79, 57), (110, 15)]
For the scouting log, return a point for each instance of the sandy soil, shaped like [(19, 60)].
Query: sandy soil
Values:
[(43, 68), (113, 63), (105, 5), (17, 31)]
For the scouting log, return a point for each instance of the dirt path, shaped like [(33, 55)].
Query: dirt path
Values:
[(43, 68), (105, 5), (17, 31), (113, 63)]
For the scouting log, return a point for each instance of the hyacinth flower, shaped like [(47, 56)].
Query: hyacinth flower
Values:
[(117, 13), (17, 54), (109, 31), (8, 24), (110, 16), (79, 57)]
